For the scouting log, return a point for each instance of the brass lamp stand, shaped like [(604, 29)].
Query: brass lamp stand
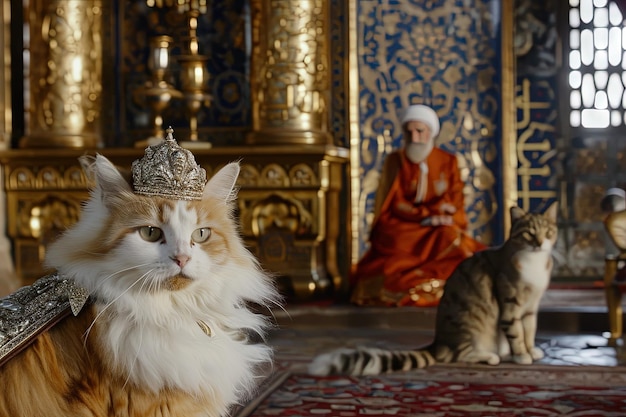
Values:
[(157, 93), (193, 77)]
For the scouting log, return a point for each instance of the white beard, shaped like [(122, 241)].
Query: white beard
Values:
[(417, 152)]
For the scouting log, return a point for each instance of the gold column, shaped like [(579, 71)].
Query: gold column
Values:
[(290, 72), (65, 73), (509, 129), (8, 279)]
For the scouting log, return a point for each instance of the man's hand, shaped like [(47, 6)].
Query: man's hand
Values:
[(438, 220), (447, 208), (405, 207), (442, 220)]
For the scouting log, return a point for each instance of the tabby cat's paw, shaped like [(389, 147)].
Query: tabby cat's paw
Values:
[(536, 353), (523, 359), (493, 360)]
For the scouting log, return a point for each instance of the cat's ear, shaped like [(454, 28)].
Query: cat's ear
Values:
[(517, 213), (108, 178), (222, 184), (552, 211)]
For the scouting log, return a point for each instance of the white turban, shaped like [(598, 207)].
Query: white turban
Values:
[(616, 192), (421, 113)]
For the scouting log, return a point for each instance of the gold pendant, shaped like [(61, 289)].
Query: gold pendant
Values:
[(205, 328)]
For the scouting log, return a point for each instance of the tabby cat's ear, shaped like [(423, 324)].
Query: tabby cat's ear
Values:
[(552, 211), (517, 213), (107, 177), (222, 184)]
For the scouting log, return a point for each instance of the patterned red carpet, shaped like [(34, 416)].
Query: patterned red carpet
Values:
[(581, 374), (506, 390)]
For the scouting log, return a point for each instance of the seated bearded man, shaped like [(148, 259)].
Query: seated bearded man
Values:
[(419, 234)]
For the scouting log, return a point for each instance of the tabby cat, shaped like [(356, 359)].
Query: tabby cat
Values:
[(488, 312), (168, 329)]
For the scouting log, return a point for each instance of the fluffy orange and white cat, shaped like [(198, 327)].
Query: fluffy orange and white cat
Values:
[(166, 332)]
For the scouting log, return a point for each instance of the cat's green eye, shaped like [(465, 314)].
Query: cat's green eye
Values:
[(201, 235), (150, 233)]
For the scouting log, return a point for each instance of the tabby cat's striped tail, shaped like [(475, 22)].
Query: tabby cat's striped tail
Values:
[(369, 361)]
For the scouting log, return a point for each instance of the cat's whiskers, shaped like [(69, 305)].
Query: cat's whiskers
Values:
[(145, 283), (275, 303), (267, 303), (154, 286), (109, 304), (97, 254), (104, 280)]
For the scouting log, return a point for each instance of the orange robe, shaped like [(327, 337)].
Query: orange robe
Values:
[(407, 262)]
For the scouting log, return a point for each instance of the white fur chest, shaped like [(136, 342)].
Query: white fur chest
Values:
[(161, 349), (534, 267)]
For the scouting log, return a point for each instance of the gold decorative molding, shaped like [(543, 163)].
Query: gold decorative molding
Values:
[(282, 212), (66, 76), (28, 178), (352, 104), (509, 130), (44, 218), (529, 148), (289, 206), (275, 175), (5, 77), (8, 280), (290, 76)]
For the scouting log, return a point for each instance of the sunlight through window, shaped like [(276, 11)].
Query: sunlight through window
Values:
[(597, 60)]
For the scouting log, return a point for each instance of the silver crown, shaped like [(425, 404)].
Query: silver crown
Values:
[(169, 171)]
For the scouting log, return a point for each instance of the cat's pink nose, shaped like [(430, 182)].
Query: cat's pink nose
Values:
[(181, 260)]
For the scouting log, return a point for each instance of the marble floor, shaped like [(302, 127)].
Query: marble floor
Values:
[(572, 329)]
